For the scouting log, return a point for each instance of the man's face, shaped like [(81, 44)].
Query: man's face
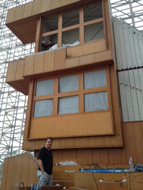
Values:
[(48, 143)]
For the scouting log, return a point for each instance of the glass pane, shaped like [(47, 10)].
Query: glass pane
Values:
[(70, 37), (68, 84), (50, 24), (68, 105), (43, 108), (49, 42), (94, 79), (70, 18), (93, 11), (95, 101), (93, 32), (45, 87)]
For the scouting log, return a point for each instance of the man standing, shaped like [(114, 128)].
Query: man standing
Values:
[(45, 162)]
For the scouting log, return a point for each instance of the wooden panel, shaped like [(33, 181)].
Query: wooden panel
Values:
[(135, 181), (28, 9), (37, 5), (39, 63), (21, 168), (9, 176), (86, 49), (19, 13), (55, 4), (72, 62), (74, 51), (85, 180), (87, 125), (66, 2), (4, 174), (10, 15), (96, 46), (49, 61), (11, 73), (103, 56), (87, 59), (46, 5), (112, 186), (60, 56), (20, 70), (29, 65)]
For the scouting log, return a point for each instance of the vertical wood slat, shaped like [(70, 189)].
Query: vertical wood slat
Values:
[(9, 177), (27, 9), (39, 63), (4, 174), (29, 109), (38, 35)]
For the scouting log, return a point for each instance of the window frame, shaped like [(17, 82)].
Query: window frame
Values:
[(80, 92), (79, 26)]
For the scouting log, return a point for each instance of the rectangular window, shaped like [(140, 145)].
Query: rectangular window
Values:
[(73, 27), (45, 87), (43, 108), (77, 93), (68, 105), (68, 84), (95, 102)]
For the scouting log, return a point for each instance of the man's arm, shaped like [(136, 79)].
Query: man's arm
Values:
[(40, 163)]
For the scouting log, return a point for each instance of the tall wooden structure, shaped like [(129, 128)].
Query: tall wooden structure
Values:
[(71, 82)]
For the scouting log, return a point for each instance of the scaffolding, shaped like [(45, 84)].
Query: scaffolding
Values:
[(12, 103)]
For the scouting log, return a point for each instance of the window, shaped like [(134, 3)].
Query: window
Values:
[(72, 28), (76, 93)]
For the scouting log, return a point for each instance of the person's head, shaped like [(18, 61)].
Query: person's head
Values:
[(49, 141)]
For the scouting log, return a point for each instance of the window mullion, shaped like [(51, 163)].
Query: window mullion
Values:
[(81, 95), (60, 30), (55, 98)]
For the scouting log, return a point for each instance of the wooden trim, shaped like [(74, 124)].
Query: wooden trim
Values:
[(81, 33), (38, 35), (49, 33), (29, 109), (60, 30), (93, 21)]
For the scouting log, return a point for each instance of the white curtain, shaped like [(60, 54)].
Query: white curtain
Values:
[(68, 105), (95, 101), (94, 79), (43, 108), (45, 87), (68, 84)]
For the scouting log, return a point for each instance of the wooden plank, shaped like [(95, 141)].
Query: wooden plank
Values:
[(55, 4), (39, 63), (135, 181), (9, 177), (4, 174), (11, 73), (38, 36), (37, 5), (65, 2), (17, 170), (28, 9), (85, 180), (19, 12), (20, 70), (60, 56), (29, 65), (46, 5), (72, 62), (87, 59), (10, 15), (24, 169)]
